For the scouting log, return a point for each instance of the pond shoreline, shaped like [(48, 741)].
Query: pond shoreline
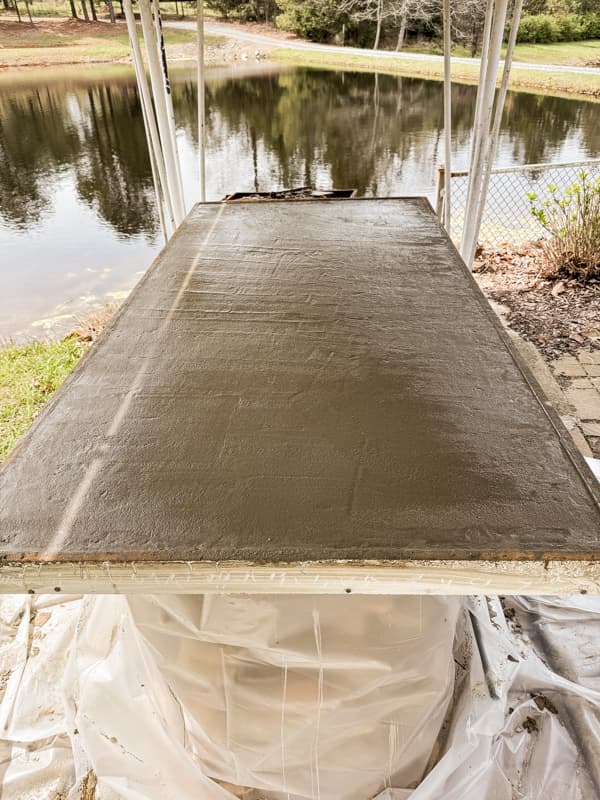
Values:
[(565, 84), (67, 42), (72, 42)]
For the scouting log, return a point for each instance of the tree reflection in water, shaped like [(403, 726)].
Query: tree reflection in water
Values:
[(380, 134)]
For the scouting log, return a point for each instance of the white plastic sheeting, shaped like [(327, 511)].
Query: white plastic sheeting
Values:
[(317, 697)]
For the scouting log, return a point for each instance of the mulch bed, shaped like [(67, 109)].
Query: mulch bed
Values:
[(559, 317)]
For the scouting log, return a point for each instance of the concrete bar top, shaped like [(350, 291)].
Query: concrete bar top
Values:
[(298, 383)]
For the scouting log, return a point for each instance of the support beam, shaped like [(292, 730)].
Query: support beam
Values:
[(500, 101), (201, 100), (481, 146), (159, 96), (160, 41), (447, 115), (152, 134)]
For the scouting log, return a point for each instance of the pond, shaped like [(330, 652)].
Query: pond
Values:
[(78, 220)]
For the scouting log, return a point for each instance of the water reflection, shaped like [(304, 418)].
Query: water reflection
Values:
[(77, 211)]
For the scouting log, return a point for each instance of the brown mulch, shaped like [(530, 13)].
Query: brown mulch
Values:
[(558, 316)]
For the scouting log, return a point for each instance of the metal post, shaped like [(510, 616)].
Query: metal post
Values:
[(162, 115), (500, 100), (469, 239), (485, 46), (439, 192), (447, 114), (167, 94), (201, 100), (152, 135)]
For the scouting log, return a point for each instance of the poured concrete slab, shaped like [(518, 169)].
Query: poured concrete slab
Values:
[(306, 396)]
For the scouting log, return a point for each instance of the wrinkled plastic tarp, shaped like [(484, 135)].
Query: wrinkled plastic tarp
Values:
[(146, 698)]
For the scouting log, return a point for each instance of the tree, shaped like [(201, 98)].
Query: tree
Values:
[(398, 13), (468, 23)]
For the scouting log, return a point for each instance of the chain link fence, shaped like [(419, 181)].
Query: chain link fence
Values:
[(507, 216)]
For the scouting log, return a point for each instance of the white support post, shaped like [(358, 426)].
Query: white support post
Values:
[(488, 89), (500, 100), (160, 196), (152, 136), (485, 46), (168, 96), (447, 115), (201, 100), (168, 144)]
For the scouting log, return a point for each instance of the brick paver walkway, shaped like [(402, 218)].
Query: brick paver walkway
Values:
[(579, 378)]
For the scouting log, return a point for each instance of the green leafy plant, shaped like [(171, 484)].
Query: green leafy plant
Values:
[(573, 222)]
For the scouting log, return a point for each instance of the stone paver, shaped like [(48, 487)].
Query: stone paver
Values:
[(586, 403), (585, 357), (591, 428), (580, 378), (570, 367)]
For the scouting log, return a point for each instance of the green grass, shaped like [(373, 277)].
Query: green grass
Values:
[(575, 54), (29, 376), (567, 84), (579, 54)]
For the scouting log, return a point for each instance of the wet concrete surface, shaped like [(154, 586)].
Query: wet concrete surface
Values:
[(300, 381)]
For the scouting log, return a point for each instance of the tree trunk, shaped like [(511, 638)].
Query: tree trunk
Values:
[(86, 16), (379, 19), (401, 33), (111, 10), (92, 6), (28, 12), (17, 10), (73, 9), (176, 9), (122, 9)]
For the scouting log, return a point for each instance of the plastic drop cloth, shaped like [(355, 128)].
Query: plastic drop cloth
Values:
[(317, 697)]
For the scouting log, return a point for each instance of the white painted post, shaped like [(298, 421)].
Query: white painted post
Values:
[(201, 100), (168, 96), (152, 136), (447, 115), (439, 193), (158, 191), (162, 115), (485, 46), (500, 100), (469, 239)]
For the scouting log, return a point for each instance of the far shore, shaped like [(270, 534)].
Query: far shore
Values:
[(66, 42)]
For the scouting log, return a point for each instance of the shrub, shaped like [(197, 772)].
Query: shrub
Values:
[(573, 222), (539, 29), (570, 27), (314, 20), (590, 26)]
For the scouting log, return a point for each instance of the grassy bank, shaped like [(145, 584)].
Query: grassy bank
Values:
[(567, 84), (48, 43), (29, 376), (567, 54)]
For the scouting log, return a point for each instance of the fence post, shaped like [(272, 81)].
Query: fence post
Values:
[(439, 191)]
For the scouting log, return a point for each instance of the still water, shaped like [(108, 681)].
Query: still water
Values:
[(78, 222)]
